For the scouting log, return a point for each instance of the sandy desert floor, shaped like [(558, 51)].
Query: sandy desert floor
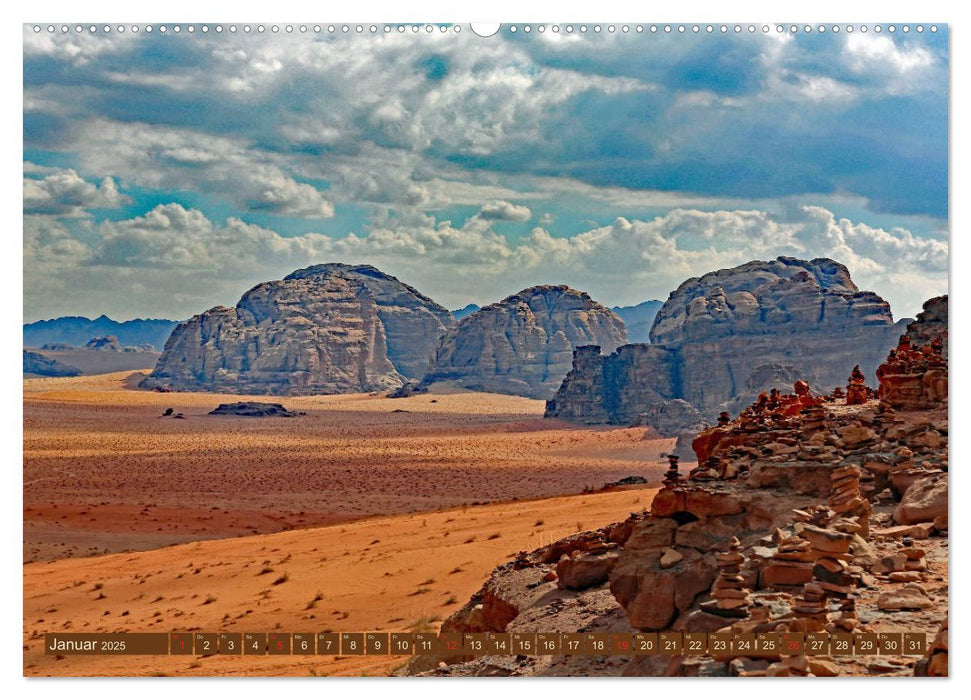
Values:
[(398, 573), (105, 472)]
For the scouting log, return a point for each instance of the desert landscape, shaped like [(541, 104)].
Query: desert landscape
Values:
[(105, 471), (386, 509), (401, 573), (619, 330)]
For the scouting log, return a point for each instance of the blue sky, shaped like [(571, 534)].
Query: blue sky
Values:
[(165, 174)]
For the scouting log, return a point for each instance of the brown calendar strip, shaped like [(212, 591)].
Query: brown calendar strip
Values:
[(488, 643)]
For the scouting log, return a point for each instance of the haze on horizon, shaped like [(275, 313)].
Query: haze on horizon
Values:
[(166, 174)]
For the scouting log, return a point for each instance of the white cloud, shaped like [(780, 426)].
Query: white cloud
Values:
[(872, 54), (65, 193), (75, 47), (163, 157), (500, 210), (175, 261)]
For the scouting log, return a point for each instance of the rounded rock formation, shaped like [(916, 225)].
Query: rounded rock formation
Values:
[(524, 344), (721, 339), (325, 329)]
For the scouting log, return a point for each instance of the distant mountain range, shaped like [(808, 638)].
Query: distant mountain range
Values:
[(77, 330), (465, 311), (639, 319)]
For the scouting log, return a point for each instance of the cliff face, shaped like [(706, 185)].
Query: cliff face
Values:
[(731, 334), (325, 329), (616, 387), (524, 344)]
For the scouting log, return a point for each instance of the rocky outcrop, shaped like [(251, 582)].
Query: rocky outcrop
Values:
[(252, 409), (616, 388), (916, 376), (786, 525), (524, 344), (108, 343), (930, 323), (325, 329), (35, 363), (723, 338)]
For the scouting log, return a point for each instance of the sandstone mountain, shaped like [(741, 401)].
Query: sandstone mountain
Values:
[(722, 338), (38, 365), (524, 344), (325, 329)]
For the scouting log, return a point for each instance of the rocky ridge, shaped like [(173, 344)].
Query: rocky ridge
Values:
[(722, 338), (325, 329), (804, 513), (35, 363), (524, 344)]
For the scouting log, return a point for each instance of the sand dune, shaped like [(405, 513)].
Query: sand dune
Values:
[(399, 573), (104, 472)]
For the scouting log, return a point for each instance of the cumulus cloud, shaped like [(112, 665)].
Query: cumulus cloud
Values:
[(180, 262), (371, 114), (162, 157), (65, 193), (499, 210)]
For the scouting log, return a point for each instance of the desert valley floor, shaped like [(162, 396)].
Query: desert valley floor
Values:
[(394, 510)]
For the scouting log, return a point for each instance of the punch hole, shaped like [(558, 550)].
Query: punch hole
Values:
[(485, 29)]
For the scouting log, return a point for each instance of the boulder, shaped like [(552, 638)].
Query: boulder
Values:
[(585, 571), (825, 540), (654, 596), (908, 597), (924, 501)]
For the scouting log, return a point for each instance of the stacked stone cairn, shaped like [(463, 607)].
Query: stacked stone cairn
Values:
[(830, 552), (856, 391), (846, 499), (791, 564), (730, 597), (672, 476)]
